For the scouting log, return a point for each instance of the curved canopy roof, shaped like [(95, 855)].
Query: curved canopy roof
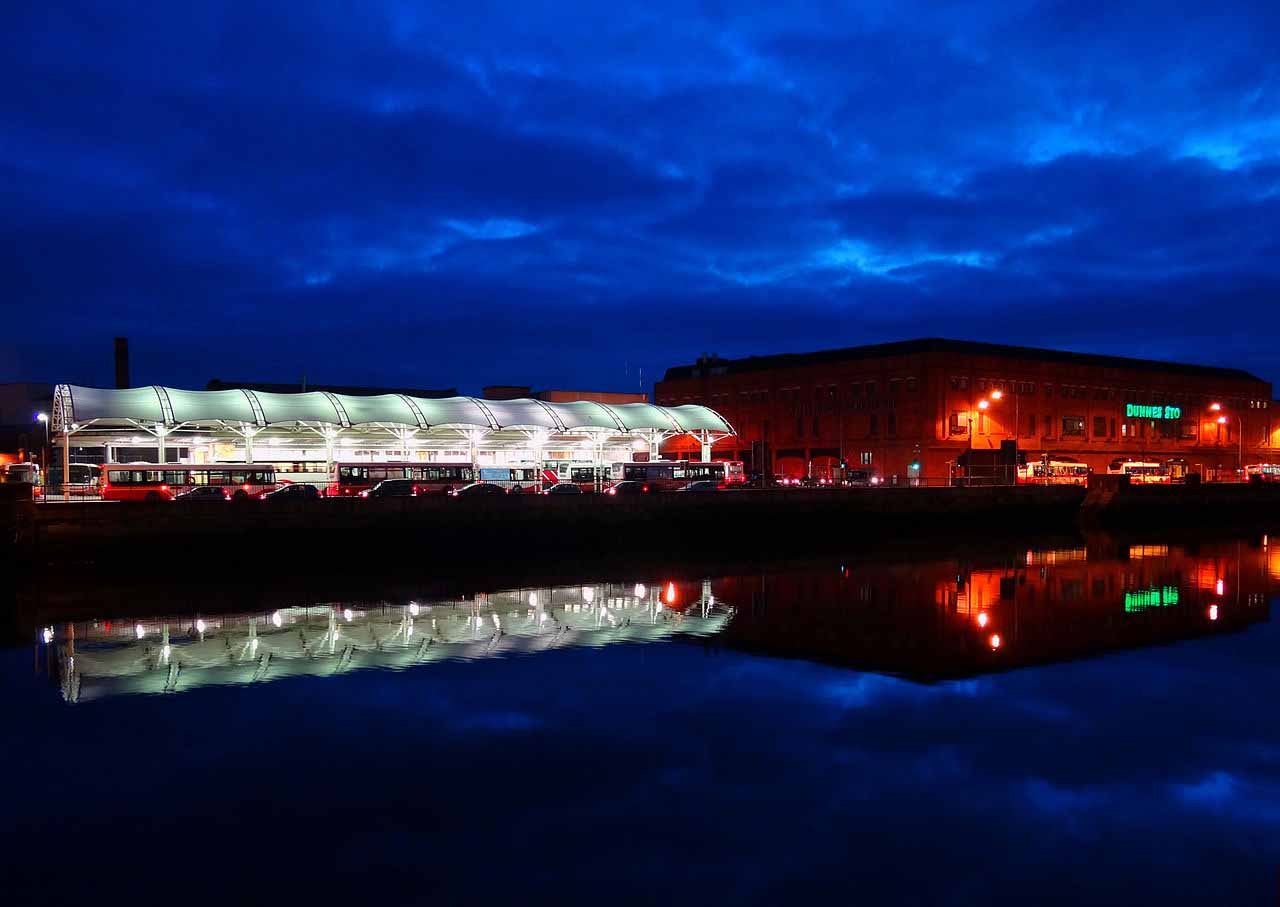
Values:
[(77, 406)]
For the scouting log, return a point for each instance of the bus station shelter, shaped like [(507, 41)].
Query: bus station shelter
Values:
[(237, 425)]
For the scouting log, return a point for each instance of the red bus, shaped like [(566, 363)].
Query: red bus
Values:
[(164, 481), (671, 475), (349, 479)]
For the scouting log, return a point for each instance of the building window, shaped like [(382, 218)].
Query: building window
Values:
[(891, 424), (1073, 426), (864, 458), (1031, 425), (959, 383), (1048, 390), (958, 424), (799, 426), (1099, 426), (895, 386), (1112, 433), (1124, 429), (816, 427), (872, 388), (875, 424), (912, 385)]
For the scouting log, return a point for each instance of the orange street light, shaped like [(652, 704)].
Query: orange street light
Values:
[(1222, 420), (1215, 407), (996, 395)]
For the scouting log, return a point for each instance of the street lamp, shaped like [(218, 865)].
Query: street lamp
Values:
[(44, 456), (1222, 420)]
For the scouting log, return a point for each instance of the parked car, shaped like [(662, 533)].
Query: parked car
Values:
[(392, 488), (293, 492), (701, 487), (479, 490), (563, 488), (861, 478), (204, 494), (630, 486)]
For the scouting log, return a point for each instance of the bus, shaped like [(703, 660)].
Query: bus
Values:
[(671, 475), (349, 479), (24, 474), (1262, 472), (1140, 472), (83, 483), (165, 481), (1053, 472), (521, 478)]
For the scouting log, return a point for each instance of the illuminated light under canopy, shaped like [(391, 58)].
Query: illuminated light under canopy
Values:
[(1142, 411), (1143, 599)]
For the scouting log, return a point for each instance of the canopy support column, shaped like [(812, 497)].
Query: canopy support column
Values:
[(66, 464), (161, 432), (704, 438)]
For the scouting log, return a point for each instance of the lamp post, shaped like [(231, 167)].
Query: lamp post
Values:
[(1222, 420), (997, 395), (44, 454)]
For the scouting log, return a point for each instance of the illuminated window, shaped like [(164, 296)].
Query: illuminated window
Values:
[(1073, 426), (864, 458), (958, 424)]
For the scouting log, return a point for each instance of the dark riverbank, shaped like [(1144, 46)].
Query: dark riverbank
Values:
[(254, 544)]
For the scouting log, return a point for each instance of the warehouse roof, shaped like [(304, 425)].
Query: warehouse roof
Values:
[(953, 347)]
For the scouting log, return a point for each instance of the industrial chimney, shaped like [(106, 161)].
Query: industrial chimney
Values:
[(122, 362)]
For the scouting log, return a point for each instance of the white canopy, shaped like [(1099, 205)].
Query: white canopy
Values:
[(76, 408)]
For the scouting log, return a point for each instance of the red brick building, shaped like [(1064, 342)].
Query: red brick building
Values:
[(915, 408)]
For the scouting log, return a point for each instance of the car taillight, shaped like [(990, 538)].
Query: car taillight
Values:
[(364, 494), (226, 496), (645, 488), (415, 489), (164, 487), (613, 491)]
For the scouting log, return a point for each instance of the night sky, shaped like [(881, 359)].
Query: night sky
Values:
[(564, 195)]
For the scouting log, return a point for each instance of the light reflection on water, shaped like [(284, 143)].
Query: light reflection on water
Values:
[(928, 619), (787, 734), (96, 658)]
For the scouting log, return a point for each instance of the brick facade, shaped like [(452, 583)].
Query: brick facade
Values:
[(891, 405)]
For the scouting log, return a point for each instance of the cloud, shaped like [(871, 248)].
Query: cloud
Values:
[(744, 180)]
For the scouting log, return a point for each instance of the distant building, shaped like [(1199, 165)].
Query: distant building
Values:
[(916, 408), (22, 437), (519, 392), (217, 384)]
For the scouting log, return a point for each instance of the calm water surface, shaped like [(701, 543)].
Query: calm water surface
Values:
[(1091, 722)]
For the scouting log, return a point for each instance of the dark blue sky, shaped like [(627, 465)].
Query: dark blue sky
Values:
[(497, 192)]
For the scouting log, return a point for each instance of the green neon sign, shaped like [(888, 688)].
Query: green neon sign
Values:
[(1141, 411), (1150, 598)]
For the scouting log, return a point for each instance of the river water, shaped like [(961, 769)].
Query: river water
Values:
[(1065, 720)]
